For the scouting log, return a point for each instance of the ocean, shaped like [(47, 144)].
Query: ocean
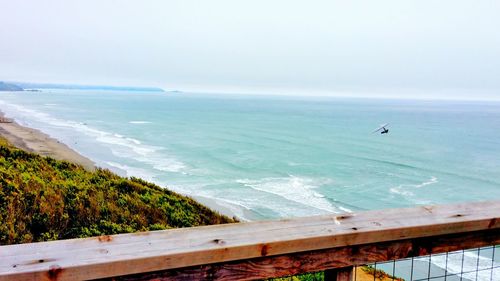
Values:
[(276, 157), (267, 157)]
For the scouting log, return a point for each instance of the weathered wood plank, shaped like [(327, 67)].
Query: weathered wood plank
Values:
[(125, 254), (313, 261)]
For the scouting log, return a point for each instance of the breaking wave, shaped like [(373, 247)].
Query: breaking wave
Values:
[(300, 190)]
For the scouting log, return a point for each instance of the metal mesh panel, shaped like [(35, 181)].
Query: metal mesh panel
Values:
[(480, 264)]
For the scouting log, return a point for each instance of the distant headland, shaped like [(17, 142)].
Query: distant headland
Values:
[(9, 87), (21, 86)]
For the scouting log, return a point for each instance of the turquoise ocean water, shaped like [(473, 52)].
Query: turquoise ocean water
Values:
[(273, 157)]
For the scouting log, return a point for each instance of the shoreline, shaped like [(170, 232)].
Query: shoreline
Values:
[(33, 140)]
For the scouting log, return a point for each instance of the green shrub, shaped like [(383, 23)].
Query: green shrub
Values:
[(45, 199)]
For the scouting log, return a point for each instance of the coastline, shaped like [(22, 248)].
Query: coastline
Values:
[(33, 140)]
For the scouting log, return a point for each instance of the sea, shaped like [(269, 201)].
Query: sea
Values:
[(268, 157)]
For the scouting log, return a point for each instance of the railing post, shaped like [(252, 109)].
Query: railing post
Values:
[(339, 274)]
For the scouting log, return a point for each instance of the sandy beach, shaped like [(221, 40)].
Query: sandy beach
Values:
[(35, 141)]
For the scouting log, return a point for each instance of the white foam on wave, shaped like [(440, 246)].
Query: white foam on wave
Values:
[(344, 209), (119, 145), (406, 189), (432, 180), (169, 165), (237, 208), (199, 189), (132, 171), (139, 122), (122, 146), (297, 189), (133, 140)]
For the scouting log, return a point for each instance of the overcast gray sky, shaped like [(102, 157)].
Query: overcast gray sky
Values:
[(324, 47)]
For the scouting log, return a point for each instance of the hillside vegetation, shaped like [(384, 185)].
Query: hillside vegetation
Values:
[(45, 199)]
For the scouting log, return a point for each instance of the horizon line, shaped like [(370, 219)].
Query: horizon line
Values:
[(354, 93)]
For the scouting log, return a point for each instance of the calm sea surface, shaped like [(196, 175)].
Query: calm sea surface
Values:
[(272, 157)]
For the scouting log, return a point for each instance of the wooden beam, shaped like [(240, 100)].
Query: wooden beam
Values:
[(127, 254), (338, 258)]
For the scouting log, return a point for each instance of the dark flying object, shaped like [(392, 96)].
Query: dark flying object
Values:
[(382, 129)]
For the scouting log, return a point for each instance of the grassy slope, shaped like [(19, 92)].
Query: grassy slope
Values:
[(45, 199)]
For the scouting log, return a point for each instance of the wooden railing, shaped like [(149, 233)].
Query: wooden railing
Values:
[(258, 250)]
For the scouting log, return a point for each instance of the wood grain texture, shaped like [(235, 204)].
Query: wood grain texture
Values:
[(236, 249), (320, 260)]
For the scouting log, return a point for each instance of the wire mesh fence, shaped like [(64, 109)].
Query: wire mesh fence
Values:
[(480, 264)]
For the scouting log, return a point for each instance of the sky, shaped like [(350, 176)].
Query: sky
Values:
[(424, 48)]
